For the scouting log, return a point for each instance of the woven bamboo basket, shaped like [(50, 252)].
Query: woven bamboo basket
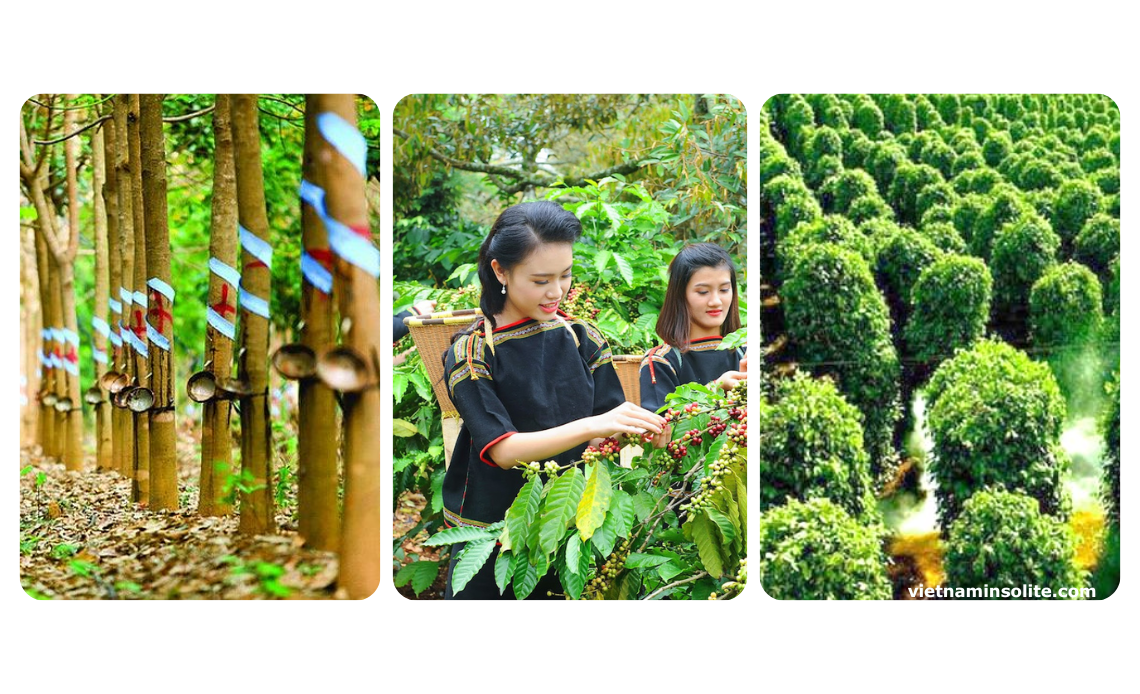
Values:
[(432, 334), (628, 367)]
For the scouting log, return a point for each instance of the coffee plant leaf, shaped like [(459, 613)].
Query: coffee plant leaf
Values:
[(727, 530), (639, 560), (606, 536), (402, 427), (437, 489), (643, 505), (572, 580), (473, 557), (742, 494), (421, 574), (735, 339), (525, 577), (573, 549), (504, 568), (595, 500), (399, 386), (669, 570), (707, 545), (630, 585), (522, 511), (463, 533), (624, 268), (557, 509), (622, 509), (423, 388), (714, 453)]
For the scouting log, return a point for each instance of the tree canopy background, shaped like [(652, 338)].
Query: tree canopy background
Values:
[(645, 173), (190, 156)]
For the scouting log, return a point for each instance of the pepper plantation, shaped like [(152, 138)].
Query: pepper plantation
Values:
[(199, 317), (940, 326), (645, 175)]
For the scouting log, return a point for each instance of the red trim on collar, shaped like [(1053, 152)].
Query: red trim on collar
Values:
[(707, 339), (483, 452), (511, 325), (560, 312)]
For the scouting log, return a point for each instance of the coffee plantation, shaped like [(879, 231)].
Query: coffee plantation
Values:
[(946, 269)]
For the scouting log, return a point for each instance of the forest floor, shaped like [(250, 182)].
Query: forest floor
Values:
[(81, 537), (407, 515)]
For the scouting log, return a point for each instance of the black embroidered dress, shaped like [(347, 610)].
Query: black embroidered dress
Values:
[(539, 375), (665, 367)]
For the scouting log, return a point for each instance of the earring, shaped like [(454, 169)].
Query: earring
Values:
[(504, 289)]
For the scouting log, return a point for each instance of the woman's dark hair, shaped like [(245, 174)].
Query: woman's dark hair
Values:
[(674, 321), (514, 235)]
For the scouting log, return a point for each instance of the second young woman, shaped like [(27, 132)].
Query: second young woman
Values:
[(701, 306), (530, 382)]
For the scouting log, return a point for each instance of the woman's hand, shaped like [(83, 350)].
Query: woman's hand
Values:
[(662, 440), (729, 379), (422, 308), (627, 418)]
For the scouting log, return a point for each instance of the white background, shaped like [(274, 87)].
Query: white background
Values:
[(386, 642)]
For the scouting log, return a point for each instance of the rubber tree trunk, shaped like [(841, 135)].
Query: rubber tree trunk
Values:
[(59, 347), (48, 249), (358, 296), (30, 321), (160, 299), (318, 512), (115, 282), (73, 454), (48, 441), (125, 185), (99, 327), (222, 302), (140, 490), (256, 513)]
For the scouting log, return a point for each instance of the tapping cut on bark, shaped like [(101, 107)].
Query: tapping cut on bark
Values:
[(358, 296), (140, 490), (318, 514), (217, 464), (256, 511), (115, 281), (160, 311), (125, 186)]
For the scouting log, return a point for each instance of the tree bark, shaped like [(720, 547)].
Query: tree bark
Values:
[(115, 282), (140, 490), (73, 453), (256, 514), (160, 298), (99, 345), (30, 321), (318, 512), (358, 296), (59, 349), (48, 442), (125, 185), (49, 252), (222, 299)]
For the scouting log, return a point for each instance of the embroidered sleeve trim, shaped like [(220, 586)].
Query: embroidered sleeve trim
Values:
[(474, 370)]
